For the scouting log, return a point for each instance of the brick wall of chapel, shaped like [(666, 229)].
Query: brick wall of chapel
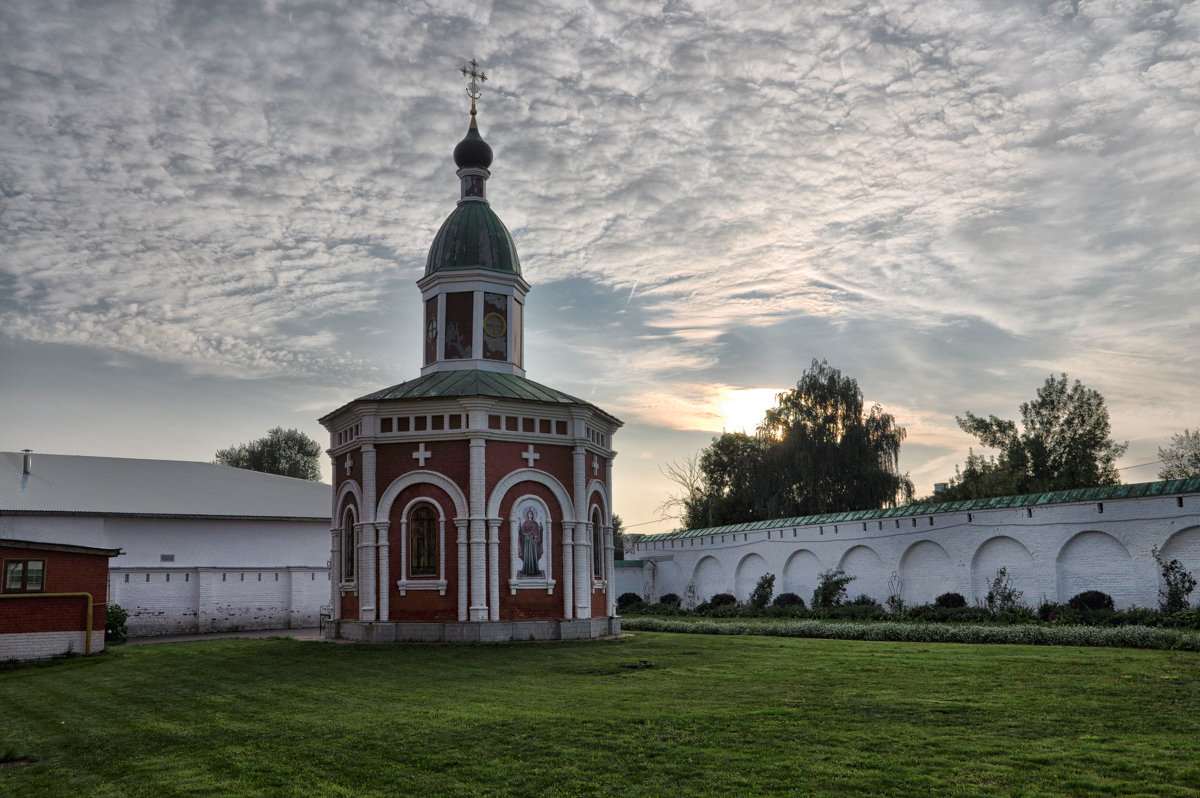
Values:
[(531, 604), (422, 605)]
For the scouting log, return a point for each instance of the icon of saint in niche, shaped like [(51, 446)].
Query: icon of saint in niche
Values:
[(530, 538)]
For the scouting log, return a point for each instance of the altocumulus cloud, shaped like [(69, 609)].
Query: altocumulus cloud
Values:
[(227, 187)]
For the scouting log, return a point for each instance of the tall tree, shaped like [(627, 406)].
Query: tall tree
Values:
[(819, 450), (289, 453), (828, 452), (1063, 443), (1181, 460)]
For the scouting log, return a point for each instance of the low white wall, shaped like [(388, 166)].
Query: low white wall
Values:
[(1051, 552), (194, 600), (45, 645)]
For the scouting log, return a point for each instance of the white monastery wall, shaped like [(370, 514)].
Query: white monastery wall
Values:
[(1051, 552), (194, 600)]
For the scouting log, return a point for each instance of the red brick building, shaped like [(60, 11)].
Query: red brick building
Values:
[(472, 503), (52, 598)]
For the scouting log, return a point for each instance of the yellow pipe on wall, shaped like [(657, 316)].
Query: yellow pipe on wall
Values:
[(87, 641)]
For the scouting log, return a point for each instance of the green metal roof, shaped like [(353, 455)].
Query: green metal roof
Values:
[(473, 237), (473, 382), (1169, 487), (629, 563)]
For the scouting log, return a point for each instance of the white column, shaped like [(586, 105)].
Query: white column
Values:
[(493, 549), (479, 608), (583, 543), (610, 543), (366, 571), (368, 477), (335, 574), (610, 603), (381, 532), (568, 574), (461, 524)]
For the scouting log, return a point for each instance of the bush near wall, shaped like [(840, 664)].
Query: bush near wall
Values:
[(1023, 634)]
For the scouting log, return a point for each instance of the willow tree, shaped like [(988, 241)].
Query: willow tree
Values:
[(827, 451), (818, 450)]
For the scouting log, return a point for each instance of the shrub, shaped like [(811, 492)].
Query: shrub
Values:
[(722, 600), (1185, 619), (863, 600), (831, 588), (789, 600), (670, 599), (950, 600), (627, 600), (1002, 595), (1090, 600), (761, 595), (1173, 597), (114, 623)]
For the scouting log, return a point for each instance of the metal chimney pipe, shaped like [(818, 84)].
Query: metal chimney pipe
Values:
[(27, 466)]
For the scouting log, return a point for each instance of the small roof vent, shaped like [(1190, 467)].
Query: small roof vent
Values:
[(27, 464)]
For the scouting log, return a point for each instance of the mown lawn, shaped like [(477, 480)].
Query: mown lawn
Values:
[(724, 716)]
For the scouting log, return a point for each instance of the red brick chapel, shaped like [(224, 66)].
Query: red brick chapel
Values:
[(472, 503)]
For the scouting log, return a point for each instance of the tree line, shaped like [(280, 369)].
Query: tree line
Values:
[(821, 450)]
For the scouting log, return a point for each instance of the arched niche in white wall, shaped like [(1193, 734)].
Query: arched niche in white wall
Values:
[(869, 574), (800, 575), (752, 568), (709, 577), (926, 572), (1003, 552), (1095, 561), (1184, 546), (668, 578)]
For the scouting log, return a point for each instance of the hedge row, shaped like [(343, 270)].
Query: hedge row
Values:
[(1029, 635)]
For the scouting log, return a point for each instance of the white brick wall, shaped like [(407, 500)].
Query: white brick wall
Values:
[(190, 600), (44, 645), (1050, 551)]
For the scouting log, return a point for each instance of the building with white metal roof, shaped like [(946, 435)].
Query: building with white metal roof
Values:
[(204, 547)]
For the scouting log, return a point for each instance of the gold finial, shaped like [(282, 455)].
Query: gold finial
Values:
[(476, 77)]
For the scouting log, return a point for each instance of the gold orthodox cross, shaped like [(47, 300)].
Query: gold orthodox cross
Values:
[(476, 77)]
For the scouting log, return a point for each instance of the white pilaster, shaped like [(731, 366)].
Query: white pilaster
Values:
[(493, 548), (335, 574), (381, 533), (610, 604), (568, 575), (583, 543), (461, 524), (477, 529), (611, 581), (366, 571)]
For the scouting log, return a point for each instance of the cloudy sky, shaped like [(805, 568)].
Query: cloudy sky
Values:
[(212, 214)]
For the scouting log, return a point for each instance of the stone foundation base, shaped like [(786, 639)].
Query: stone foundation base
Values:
[(471, 631)]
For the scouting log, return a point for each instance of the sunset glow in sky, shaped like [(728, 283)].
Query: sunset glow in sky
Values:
[(212, 215)]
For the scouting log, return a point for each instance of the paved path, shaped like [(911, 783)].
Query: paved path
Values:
[(311, 633)]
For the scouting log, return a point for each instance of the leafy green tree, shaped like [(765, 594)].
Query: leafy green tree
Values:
[(1181, 460), (1063, 443), (289, 453), (618, 527), (828, 452), (817, 451)]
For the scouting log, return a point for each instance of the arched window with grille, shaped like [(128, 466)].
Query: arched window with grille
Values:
[(349, 546), (423, 542), (597, 544)]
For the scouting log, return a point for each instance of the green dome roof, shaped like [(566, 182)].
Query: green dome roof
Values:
[(473, 237)]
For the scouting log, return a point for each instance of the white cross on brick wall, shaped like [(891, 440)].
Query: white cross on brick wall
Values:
[(422, 455), (595, 466), (349, 464), (530, 455)]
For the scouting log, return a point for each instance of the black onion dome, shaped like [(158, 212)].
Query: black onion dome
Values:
[(472, 150)]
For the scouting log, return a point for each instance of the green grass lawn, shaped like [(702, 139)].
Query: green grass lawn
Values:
[(724, 716)]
